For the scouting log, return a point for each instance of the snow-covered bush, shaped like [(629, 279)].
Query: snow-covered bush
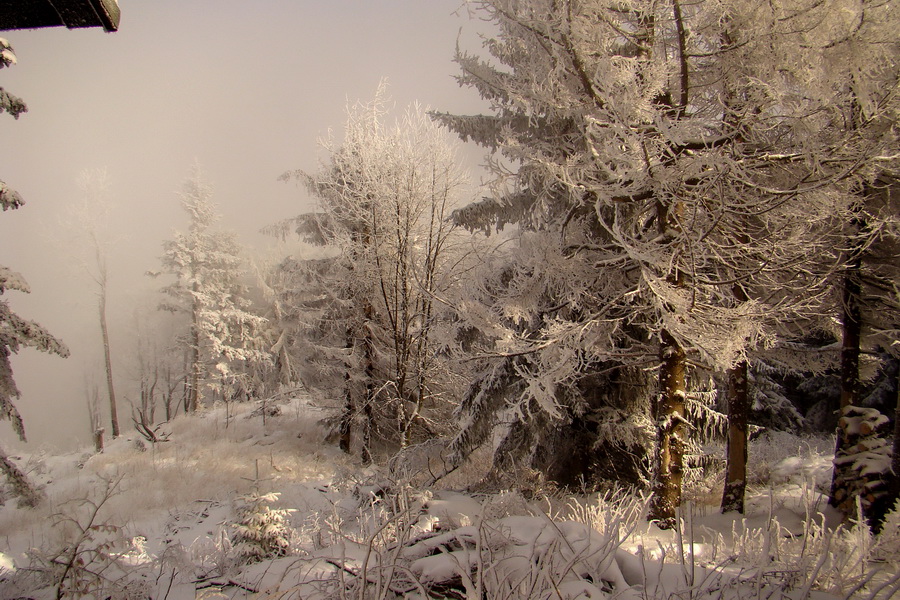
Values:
[(887, 545), (779, 457), (261, 532), (616, 515), (18, 484), (84, 558)]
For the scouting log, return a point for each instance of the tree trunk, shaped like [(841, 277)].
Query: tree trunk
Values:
[(851, 334), (113, 411), (895, 455), (843, 481), (671, 433), (669, 411), (736, 451), (96, 421), (369, 370), (98, 440), (193, 396), (893, 488), (345, 426)]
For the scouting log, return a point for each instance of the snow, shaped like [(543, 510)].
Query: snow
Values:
[(10, 280), (171, 526)]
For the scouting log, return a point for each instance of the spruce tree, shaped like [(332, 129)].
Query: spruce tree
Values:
[(680, 164), (222, 333), (16, 332)]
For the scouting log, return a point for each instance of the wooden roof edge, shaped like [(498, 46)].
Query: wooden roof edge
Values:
[(108, 12)]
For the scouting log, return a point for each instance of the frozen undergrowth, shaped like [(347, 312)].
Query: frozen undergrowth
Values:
[(164, 523)]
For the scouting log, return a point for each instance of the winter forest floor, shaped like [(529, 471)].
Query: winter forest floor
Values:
[(234, 506)]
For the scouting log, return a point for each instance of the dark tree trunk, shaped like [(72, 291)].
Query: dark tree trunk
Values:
[(98, 440), (736, 452), (345, 426), (671, 433), (851, 336), (369, 370), (193, 396), (843, 482), (893, 488)]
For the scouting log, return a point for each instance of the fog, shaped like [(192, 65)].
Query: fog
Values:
[(242, 88)]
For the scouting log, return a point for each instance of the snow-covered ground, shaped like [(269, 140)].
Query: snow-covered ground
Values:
[(166, 520)]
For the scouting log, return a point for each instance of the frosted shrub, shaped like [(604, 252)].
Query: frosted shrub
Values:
[(771, 560), (616, 515), (887, 545), (87, 556), (780, 457), (262, 532)]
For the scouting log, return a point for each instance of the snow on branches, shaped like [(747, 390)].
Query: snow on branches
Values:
[(223, 336), (688, 170)]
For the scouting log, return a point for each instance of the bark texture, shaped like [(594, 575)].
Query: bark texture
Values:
[(671, 435), (736, 451), (843, 481)]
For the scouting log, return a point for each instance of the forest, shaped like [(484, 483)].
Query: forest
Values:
[(672, 302)]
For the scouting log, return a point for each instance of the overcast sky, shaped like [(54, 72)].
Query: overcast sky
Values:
[(244, 88)]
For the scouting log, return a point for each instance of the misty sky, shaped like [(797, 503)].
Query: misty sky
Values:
[(243, 88)]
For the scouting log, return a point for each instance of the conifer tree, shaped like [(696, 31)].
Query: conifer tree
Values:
[(670, 156), (303, 322), (16, 332), (261, 532), (869, 313), (15, 106), (222, 333)]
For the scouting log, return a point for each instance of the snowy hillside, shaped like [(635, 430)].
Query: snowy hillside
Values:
[(236, 505)]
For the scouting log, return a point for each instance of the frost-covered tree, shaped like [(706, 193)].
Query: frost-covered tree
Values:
[(222, 335), (261, 532), (384, 198), (681, 178), (303, 323), (87, 239), (856, 52), (16, 332), (15, 106), (867, 305), (157, 366)]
